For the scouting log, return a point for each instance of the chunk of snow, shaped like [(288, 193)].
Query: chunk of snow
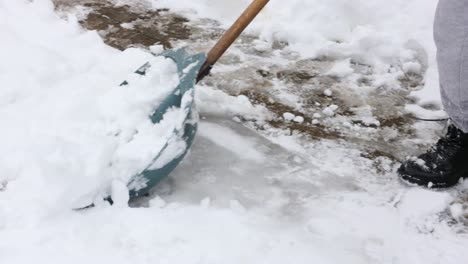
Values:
[(333, 107), (456, 210), (156, 49), (288, 116), (217, 102), (422, 113), (412, 67), (328, 92), (127, 25), (369, 121), (298, 119), (421, 163), (328, 111)]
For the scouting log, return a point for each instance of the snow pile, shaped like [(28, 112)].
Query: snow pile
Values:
[(69, 131)]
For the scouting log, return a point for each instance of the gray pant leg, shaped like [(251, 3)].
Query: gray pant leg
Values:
[(451, 37)]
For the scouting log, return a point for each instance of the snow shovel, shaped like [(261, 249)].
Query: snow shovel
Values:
[(191, 69)]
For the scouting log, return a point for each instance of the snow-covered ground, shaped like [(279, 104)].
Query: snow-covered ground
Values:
[(250, 191)]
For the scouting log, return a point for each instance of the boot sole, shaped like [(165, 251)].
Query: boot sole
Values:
[(414, 181)]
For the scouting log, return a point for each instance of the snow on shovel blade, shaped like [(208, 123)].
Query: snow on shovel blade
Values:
[(183, 135), (191, 69)]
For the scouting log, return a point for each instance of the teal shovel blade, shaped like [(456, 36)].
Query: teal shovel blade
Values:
[(183, 96)]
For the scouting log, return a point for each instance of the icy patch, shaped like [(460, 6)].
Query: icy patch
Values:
[(229, 139)]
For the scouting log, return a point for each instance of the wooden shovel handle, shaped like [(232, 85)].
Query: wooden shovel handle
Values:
[(231, 35)]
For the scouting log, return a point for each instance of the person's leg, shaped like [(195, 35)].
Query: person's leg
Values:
[(451, 37), (447, 161)]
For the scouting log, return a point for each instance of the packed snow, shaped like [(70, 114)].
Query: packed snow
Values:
[(69, 136)]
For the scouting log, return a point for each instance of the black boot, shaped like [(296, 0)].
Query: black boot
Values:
[(442, 165)]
